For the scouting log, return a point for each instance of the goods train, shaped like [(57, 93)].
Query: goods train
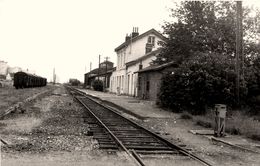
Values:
[(25, 80)]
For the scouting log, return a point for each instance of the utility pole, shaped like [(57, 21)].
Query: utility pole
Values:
[(98, 65), (239, 49), (105, 84), (54, 76), (90, 66)]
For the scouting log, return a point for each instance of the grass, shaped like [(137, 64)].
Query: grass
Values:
[(237, 123), (242, 124)]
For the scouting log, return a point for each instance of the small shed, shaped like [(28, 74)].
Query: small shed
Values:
[(102, 74), (149, 80)]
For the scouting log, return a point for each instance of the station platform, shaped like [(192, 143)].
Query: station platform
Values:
[(142, 108)]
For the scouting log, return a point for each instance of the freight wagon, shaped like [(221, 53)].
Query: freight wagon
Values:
[(25, 80)]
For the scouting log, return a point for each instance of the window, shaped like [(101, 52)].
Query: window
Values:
[(122, 82), (132, 83), (148, 49), (118, 61), (128, 83), (139, 83), (123, 58), (147, 86), (150, 44), (120, 55), (140, 66), (151, 40), (119, 84)]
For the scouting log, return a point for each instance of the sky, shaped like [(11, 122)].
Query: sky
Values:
[(68, 35)]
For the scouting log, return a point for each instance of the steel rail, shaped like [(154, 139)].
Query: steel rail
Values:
[(133, 156), (173, 146)]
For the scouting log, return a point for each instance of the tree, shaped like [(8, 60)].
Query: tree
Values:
[(202, 40), (205, 27), (253, 85), (201, 81)]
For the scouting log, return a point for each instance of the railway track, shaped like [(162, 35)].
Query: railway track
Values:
[(113, 131)]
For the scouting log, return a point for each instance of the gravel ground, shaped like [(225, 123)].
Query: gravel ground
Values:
[(177, 130), (52, 132)]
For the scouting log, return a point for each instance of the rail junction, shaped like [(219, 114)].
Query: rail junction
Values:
[(114, 131)]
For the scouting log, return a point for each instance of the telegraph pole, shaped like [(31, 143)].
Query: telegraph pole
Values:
[(105, 84), (239, 48), (98, 65), (54, 76)]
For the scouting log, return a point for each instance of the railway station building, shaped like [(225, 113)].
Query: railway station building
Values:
[(103, 73), (149, 80), (3, 69), (134, 54)]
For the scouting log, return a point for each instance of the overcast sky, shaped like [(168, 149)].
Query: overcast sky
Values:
[(69, 34)]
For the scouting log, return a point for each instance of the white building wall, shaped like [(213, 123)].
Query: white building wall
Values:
[(131, 85), (147, 62), (3, 68), (117, 77), (124, 80), (137, 48)]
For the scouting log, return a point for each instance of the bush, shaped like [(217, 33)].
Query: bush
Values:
[(255, 137), (74, 82), (253, 84), (98, 85), (202, 81)]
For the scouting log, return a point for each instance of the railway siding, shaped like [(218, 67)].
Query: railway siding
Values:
[(52, 132), (19, 105)]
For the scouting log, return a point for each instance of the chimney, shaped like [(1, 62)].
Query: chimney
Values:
[(127, 37), (135, 32), (140, 65)]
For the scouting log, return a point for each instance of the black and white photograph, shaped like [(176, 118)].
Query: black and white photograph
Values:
[(129, 83)]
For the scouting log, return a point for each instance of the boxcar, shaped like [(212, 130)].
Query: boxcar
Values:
[(25, 80)]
